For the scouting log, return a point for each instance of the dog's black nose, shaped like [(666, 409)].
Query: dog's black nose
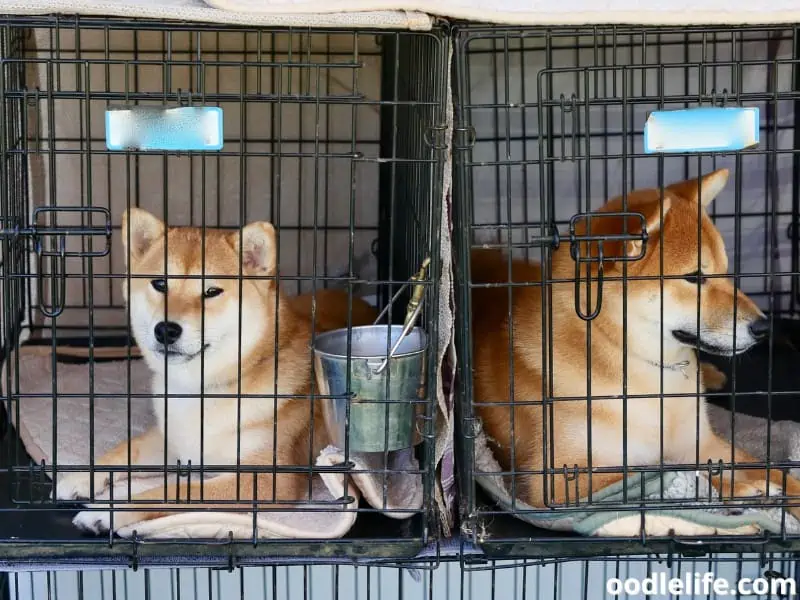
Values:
[(759, 328), (167, 332)]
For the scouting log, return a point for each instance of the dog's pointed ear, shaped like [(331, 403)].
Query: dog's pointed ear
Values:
[(258, 247), (703, 189), (653, 214), (139, 230)]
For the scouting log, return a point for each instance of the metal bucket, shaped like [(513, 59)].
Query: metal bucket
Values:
[(385, 403)]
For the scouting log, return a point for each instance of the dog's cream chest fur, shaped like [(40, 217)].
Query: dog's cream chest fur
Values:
[(186, 420), (676, 420)]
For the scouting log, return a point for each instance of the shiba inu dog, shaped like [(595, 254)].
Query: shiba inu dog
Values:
[(238, 341), (662, 333)]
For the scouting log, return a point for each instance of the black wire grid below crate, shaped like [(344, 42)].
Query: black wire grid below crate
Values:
[(333, 143), (584, 580), (549, 125)]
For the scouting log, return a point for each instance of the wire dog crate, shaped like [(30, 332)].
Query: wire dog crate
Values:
[(325, 137), (564, 418)]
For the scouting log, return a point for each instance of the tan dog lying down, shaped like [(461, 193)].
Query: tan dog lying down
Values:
[(232, 429), (571, 440)]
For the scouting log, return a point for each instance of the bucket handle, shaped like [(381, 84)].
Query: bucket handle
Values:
[(412, 312)]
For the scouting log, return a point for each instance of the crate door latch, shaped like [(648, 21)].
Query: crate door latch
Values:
[(597, 238), (51, 242)]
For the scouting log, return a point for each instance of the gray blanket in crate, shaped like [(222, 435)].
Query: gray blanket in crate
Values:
[(688, 518), (84, 415)]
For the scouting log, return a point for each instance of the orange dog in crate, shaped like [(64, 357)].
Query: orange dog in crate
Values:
[(659, 314), (219, 334)]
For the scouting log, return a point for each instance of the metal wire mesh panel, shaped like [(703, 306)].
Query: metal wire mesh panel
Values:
[(771, 576), (256, 583), (626, 328), (188, 338)]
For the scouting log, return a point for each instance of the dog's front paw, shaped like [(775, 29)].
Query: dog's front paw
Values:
[(79, 485), (97, 518), (93, 521)]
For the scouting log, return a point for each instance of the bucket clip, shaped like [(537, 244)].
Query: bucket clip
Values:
[(412, 312)]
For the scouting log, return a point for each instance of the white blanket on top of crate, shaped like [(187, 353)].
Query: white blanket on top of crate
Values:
[(691, 515), (395, 491), (199, 11), (409, 14), (547, 12)]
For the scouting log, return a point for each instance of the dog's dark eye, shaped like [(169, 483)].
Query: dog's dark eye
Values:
[(212, 292), (159, 285), (695, 277)]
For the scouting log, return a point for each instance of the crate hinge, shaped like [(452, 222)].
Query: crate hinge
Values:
[(435, 137), (464, 137)]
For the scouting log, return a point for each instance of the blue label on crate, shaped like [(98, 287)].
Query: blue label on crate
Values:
[(705, 129), (183, 128)]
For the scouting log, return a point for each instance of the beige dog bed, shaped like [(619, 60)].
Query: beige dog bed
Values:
[(115, 418)]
